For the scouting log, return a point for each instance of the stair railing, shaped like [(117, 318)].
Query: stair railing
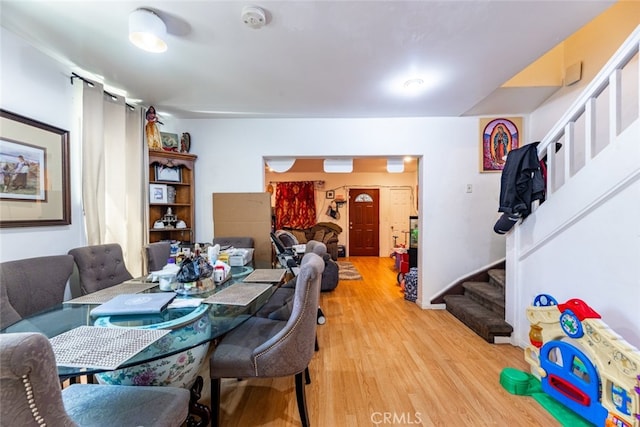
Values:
[(585, 109)]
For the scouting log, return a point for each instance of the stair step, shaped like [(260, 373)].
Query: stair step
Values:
[(484, 293), (497, 277), (481, 320)]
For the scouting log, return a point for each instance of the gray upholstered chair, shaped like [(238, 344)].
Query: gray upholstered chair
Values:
[(330, 275), (157, 254), (30, 393), (236, 242), (100, 266), (263, 347), (30, 285)]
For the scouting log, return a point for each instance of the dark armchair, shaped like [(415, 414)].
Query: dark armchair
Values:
[(30, 285), (100, 266), (265, 347), (30, 393)]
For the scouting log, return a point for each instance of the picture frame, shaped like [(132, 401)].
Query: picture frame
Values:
[(168, 173), (35, 186), (498, 136), (170, 141), (157, 194), (330, 194)]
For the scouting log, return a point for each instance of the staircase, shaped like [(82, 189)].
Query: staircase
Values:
[(481, 306)]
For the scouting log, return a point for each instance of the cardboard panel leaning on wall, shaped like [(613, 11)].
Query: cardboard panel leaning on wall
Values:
[(245, 215)]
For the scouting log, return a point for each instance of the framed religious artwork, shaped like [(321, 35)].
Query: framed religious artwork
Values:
[(170, 141), (34, 173), (498, 136)]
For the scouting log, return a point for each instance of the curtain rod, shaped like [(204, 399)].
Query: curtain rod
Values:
[(92, 84)]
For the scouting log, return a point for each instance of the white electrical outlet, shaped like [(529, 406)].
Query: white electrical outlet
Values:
[(469, 188)]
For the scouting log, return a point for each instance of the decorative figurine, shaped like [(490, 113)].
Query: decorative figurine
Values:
[(185, 142), (151, 130)]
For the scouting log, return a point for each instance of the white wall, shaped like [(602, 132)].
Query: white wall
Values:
[(35, 86), (457, 227)]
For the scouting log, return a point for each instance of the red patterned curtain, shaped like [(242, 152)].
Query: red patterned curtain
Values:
[(295, 204)]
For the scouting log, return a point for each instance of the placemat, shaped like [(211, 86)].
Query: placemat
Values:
[(104, 295), (240, 293), (102, 348), (270, 275)]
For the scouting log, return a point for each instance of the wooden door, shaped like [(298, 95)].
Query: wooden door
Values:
[(364, 222)]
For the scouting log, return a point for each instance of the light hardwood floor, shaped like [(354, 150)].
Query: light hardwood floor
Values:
[(383, 361)]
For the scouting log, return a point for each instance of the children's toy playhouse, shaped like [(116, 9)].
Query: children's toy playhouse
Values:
[(582, 364)]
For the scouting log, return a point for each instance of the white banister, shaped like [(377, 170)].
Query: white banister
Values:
[(610, 77)]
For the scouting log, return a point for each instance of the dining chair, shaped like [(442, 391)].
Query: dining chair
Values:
[(30, 393), (100, 266), (265, 348), (157, 254), (31, 285)]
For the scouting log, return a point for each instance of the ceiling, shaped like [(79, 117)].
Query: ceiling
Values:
[(313, 59)]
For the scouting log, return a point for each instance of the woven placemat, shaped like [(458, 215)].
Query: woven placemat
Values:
[(103, 348), (240, 293), (104, 295), (266, 275)]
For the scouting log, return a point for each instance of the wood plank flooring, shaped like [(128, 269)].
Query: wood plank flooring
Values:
[(383, 361)]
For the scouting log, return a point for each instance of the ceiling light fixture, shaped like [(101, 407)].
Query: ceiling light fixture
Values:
[(147, 31)]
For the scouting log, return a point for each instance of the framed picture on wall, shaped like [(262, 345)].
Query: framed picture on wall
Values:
[(157, 193), (34, 173), (330, 194), (498, 136)]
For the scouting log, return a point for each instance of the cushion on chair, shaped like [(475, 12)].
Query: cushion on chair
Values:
[(157, 254), (100, 266), (234, 355), (35, 284), (116, 405), (236, 242)]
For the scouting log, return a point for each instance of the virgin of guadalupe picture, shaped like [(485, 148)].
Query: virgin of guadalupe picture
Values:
[(499, 137)]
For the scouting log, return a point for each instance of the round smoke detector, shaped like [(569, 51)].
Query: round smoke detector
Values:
[(253, 17)]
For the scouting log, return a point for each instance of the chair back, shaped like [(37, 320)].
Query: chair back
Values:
[(100, 266), (236, 242), (29, 386), (157, 254), (290, 350), (31, 285)]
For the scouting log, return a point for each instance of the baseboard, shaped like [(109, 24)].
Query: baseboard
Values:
[(502, 340)]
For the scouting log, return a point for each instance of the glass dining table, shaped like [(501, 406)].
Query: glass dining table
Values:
[(175, 358), (189, 327)]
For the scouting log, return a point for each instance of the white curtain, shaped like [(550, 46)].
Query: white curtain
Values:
[(113, 173)]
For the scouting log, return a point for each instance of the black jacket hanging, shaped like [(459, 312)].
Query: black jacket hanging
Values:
[(521, 184)]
